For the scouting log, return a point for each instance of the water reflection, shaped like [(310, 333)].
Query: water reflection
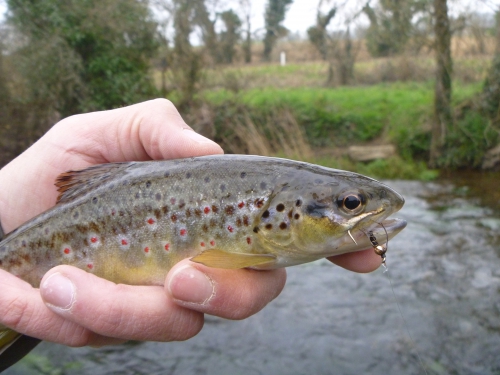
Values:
[(445, 269)]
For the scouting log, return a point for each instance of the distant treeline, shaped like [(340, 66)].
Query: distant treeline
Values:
[(61, 58)]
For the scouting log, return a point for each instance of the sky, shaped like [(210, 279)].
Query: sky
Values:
[(302, 13)]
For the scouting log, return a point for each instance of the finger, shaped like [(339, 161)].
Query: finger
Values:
[(232, 294), (144, 131), (361, 261), (149, 130), (117, 310)]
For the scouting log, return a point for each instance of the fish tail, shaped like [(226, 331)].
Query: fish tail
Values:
[(14, 346)]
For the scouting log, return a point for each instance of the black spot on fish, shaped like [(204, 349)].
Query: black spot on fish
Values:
[(296, 217), (263, 185), (229, 210), (165, 210), (238, 222), (76, 214), (259, 202), (222, 187), (207, 179), (283, 226), (137, 195), (215, 209), (157, 213), (280, 207), (148, 184), (182, 203), (188, 175), (94, 200), (265, 215), (204, 228), (197, 212), (245, 220), (256, 229), (269, 226), (158, 196), (173, 218), (166, 174), (290, 213), (188, 213), (243, 174), (298, 203)]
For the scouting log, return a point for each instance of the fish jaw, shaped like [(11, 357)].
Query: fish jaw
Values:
[(383, 231)]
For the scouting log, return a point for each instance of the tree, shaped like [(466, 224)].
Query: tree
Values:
[(392, 24), (491, 89), (274, 16), (230, 36), (442, 92), (335, 47), (85, 55)]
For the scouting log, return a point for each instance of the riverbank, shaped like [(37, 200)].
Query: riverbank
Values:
[(317, 124)]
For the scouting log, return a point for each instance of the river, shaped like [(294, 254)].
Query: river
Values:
[(445, 272)]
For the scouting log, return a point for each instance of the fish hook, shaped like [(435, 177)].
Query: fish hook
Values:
[(380, 249), (352, 238)]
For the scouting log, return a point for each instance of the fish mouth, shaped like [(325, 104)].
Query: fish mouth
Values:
[(382, 231)]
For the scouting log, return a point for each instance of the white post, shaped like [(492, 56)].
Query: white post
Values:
[(283, 58)]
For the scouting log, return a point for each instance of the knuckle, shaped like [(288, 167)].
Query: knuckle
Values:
[(15, 313)]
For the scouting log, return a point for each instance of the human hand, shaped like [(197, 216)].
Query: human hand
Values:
[(76, 308)]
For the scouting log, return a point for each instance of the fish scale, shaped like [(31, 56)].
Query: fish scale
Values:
[(132, 222)]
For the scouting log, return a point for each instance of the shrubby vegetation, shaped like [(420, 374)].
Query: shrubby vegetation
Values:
[(351, 87)]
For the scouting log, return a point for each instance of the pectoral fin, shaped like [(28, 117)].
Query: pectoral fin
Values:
[(14, 346), (222, 259)]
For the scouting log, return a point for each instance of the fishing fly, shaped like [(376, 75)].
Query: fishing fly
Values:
[(380, 249)]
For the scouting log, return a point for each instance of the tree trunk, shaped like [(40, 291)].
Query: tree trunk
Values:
[(442, 93), (247, 44), (491, 90)]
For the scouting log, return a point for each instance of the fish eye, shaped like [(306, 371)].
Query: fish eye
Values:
[(351, 203)]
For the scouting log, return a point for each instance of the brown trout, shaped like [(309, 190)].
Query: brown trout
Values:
[(131, 222)]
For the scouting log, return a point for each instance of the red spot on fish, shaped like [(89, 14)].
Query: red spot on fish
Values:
[(146, 249), (183, 232), (94, 239), (230, 228), (151, 221), (67, 251), (124, 242), (202, 244), (90, 266), (249, 240), (113, 212), (241, 205), (206, 210), (167, 247), (212, 243)]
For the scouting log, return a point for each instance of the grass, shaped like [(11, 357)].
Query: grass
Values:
[(288, 111)]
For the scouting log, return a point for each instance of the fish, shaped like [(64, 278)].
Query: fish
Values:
[(132, 222)]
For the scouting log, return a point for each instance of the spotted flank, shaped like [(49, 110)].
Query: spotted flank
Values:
[(131, 222)]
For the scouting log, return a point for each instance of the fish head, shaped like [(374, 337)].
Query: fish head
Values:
[(330, 216)]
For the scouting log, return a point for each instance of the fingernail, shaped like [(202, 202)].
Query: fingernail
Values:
[(191, 285), (196, 137), (58, 291)]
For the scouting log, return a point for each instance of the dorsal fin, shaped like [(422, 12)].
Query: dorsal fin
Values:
[(73, 184)]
